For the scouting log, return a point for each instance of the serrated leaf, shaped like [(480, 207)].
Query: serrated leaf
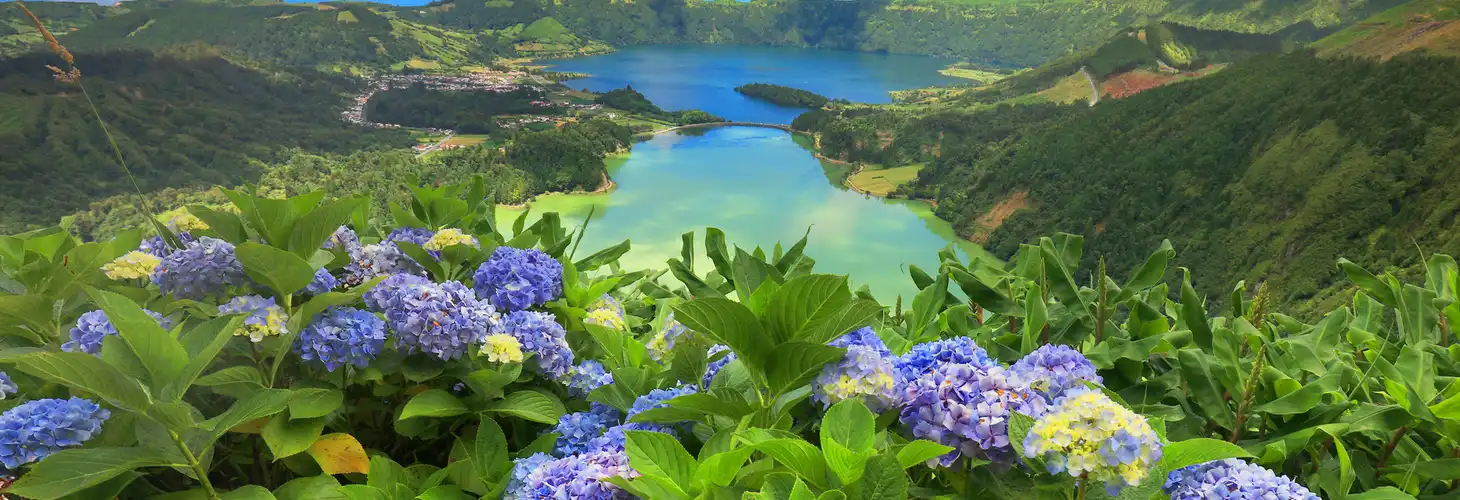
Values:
[(489, 450), (531, 405), (795, 363), (730, 323), (799, 456), (160, 353), (1190, 452), (68, 471), (311, 403), (287, 437), (88, 373), (281, 271), (659, 454), (920, 451), (433, 403)]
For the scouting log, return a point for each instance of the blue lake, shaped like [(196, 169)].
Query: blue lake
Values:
[(704, 76)]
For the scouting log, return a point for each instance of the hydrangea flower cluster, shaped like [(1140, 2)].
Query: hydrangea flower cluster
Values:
[(181, 220), (606, 312), (586, 377), (577, 477), (521, 468), (615, 440), (265, 317), (515, 279), (1232, 479), (7, 386), (384, 295), (443, 320), (344, 238), (1090, 436), (205, 267), (656, 399), (924, 359), (342, 336), (417, 235), (36, 429), (1054, 369), (540, 334), (448, 237), (502, 348), (381, 259), (662, 345), (866, 372), (716, 364), (323, 282), (577, 430), (133, 265), (967, 407), (94, 326), (158, 246)]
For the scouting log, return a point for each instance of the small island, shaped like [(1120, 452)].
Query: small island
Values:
[(783, 95), (630, 100)]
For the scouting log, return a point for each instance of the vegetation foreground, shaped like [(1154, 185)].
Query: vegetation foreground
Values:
[(294, 348)]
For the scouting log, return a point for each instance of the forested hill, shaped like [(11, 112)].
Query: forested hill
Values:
[(1021, 33), (198, 121), (1267, 171)]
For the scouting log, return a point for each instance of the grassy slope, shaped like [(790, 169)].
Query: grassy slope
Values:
[(1429, 25)]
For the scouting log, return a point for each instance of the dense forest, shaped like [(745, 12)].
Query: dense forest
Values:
[(1265, 172), (467, 112), (200, 121), (783, 96), (630, 100)]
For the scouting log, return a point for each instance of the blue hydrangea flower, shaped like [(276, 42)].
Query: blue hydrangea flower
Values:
[(1232, 479), (521, 468), (342, 336), (93, 326), (716, 364), (443, 320), (343, 238), (656, 399), (36, 429), (265, 317), (541, 335), (383, 296), (578, 477), (380, 259), (515, 279), (577, 430), (662, 345), (205, 267), (7, 386), (865, 337), (416, 235), (925, 358), (586, 377), (158, 246), (614, 439), (1054, 369), (323, 282), (863, 373)]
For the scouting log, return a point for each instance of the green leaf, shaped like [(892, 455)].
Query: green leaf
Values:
[(799, 456), (175, 415), (795, 363), (883, 479), (1369, 283), (249, 492), (158, 350), (718, 253), (1201, 386), (1197, 451), (1019, 426), (983, 295), (315, 227), (363, 492), (68, 471), (1382, 493), (1303, 399), (660, 454), (281, 271), (1444, 469), (602, 257), (921, 451), (312, 403), (242, 374), (433, 403), (793, 254), (720, 469), (203, 344), (531, 405), (845, 464), (385, 473), (850, 424), (86, 372), (288, 436), (227, 225), (927, 304), (801, 492), (489, 451), (321, 487), (722, 402), (1193, 315), (1149, 274), (804, 301), (730, 323), (261, 404)]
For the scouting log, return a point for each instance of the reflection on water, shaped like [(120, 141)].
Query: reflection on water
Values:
[(760, 186)]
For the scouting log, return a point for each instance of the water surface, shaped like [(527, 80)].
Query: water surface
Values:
[(704, 77)]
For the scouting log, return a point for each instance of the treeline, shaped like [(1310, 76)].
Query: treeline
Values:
[(628, 99), (894, 137), (562, 159), (1265, 172), (178, 122), (468, 112), (783, 96)]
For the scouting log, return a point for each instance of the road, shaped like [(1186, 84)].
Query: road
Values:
[(436, 146)]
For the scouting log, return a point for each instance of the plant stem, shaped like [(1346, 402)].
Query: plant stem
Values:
[(1080, 490), (198, 468), (1389, 449)]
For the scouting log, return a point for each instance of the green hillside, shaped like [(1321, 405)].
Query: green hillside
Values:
[(178, 121), (1430, 26), (18, 36)]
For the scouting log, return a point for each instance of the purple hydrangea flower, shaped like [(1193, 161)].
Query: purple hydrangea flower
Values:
[(34, 430), (586, 377), (577, 477), (383, 295), (158, 246), (1232, 479), (717, 364), (614, 439), (342, 336), (205, 267), (7, 386), (577, 430), (323, 282), (417, 235), (381, 259), (863, 336), (93, 326), (967, 407), (344, 238), (656, 399), (443, 320), (924, 358), (515, 279), (1054, 369), (540, 334)]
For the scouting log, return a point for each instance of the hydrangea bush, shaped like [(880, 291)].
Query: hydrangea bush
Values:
[(258, 351)]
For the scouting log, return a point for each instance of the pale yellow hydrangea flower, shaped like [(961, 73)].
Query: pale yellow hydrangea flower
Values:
[(502, 348), (607, 318), (133, 265), (448, 237), (182, 220)]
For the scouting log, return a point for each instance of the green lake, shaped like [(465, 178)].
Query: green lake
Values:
[(761, 186)]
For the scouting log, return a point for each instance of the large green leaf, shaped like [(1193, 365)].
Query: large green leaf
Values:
[(1148, 274), (803, 301), (603, 257), (281, 271), (160, 353), (1201, 386), (723, 402), (203, 343), (489, 450), (321, 487), (799, 456), (261, 404), (1190, 452), (1369, 283), (851, 424), (433, 403), (315, 227), (730, 323), (249, 492), (720, 469), (1303, 399), (1194, 315), (531, 405), (883, 479), (86, 372), (983, 295), (312, 403), (68, 471), (922, 450), (289, 436), (660, 454), (795, 363)]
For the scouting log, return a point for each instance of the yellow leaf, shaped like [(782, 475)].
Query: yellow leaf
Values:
[(255, 426), (340, 453)]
